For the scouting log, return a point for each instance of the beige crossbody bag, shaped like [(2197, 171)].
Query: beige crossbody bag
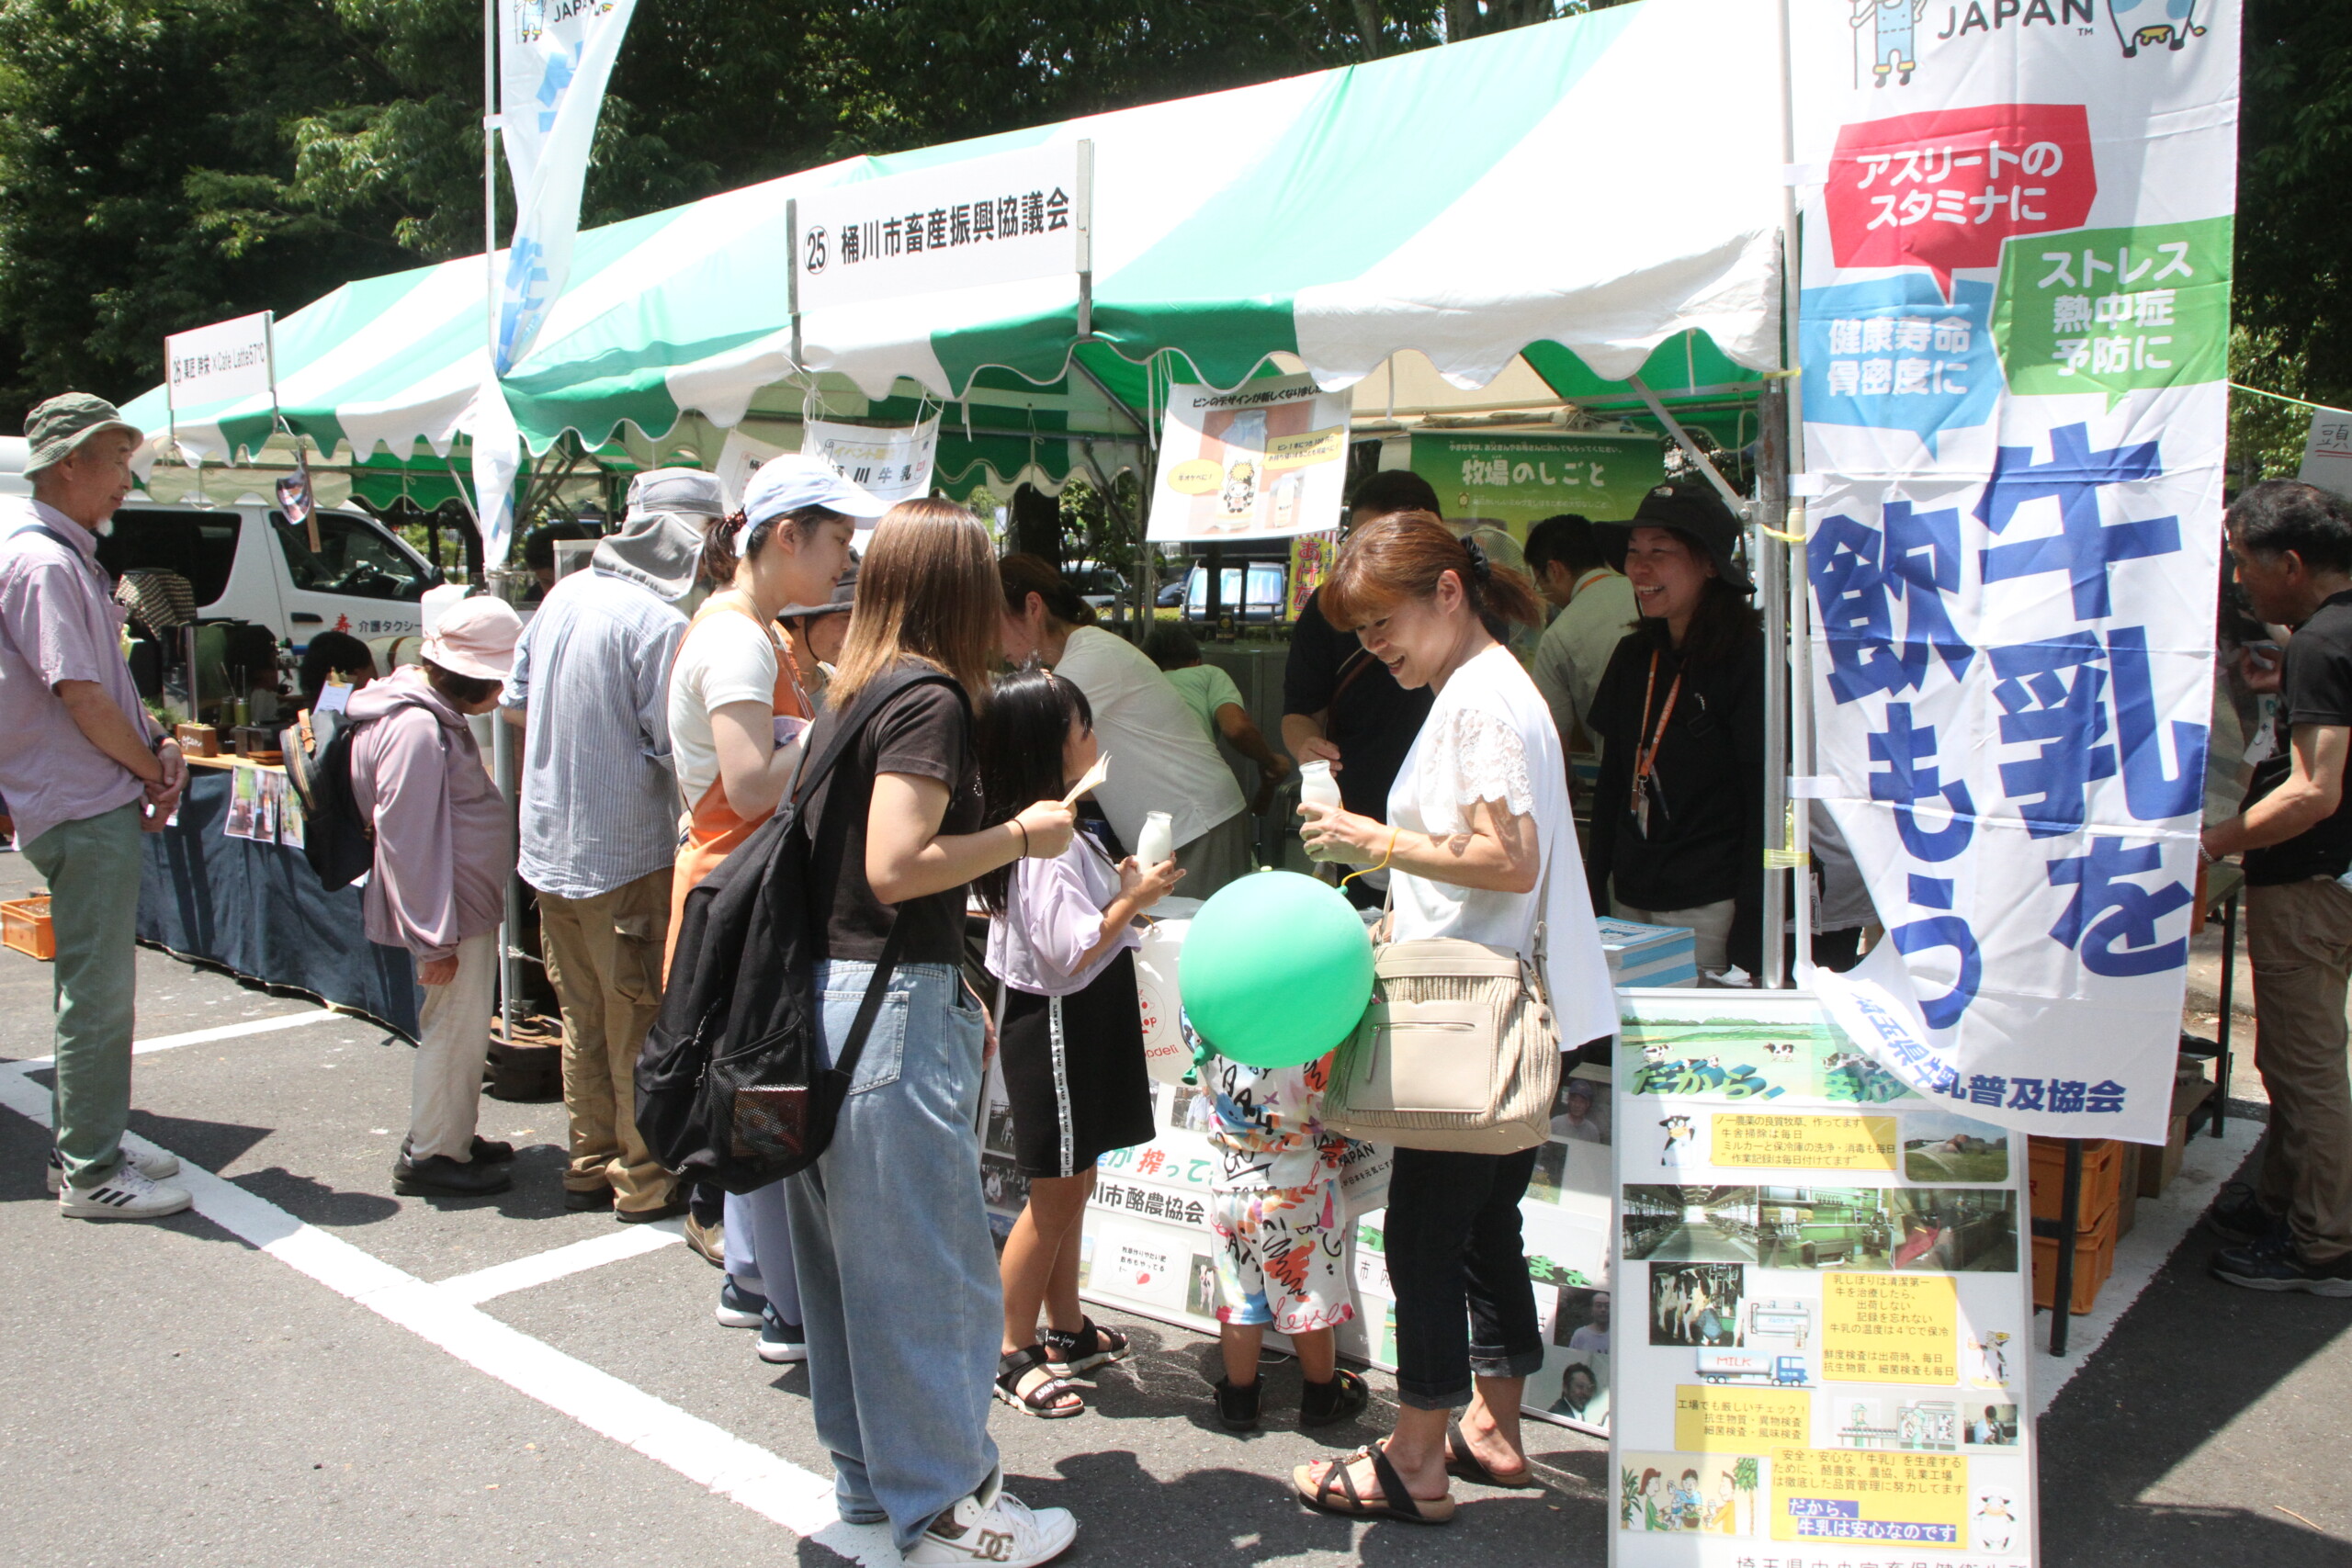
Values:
[(1458, 1051)]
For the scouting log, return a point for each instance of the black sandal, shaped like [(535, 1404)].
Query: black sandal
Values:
[(1337, 1494), (1237, 1405), (1321, 1404), (1463, 1464), (1063, 1356), (1044, 1399)]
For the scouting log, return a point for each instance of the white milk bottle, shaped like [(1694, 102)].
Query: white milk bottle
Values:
[(1156, 843), (1316, 784)]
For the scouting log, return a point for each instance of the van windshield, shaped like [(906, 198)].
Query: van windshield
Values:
[(352, 558)]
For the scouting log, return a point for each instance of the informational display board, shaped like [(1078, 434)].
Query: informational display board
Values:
[(1149, 1248), (1006, 217), (1826, 1300), (1267, 460), (1518, 481), (2013, 333)]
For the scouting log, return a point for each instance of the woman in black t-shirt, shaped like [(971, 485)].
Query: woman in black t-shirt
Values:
[(897, 1276), (1677, 817)]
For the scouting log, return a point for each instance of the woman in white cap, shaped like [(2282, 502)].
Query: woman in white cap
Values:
[(444, 847), (737, 709)]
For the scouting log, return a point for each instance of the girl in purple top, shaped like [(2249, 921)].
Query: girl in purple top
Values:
[(1072, 1038)]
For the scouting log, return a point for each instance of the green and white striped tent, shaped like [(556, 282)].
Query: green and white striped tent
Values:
[(1586, 199)]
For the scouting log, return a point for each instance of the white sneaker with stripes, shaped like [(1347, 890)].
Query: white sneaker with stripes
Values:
[(128, 1194), (157, 1167)]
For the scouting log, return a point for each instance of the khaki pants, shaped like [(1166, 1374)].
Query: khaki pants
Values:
[(91, 868), (1709, 924), (444, 1081), (1219, 856), (604, 956), (2299, 938)]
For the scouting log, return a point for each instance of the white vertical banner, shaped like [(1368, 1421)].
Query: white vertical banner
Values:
[(555, 57), (2014, 337)]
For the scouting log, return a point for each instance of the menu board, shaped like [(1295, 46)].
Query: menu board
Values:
[(1823, 1357)]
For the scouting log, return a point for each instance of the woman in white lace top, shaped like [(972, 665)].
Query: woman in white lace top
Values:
[(1479, 844)]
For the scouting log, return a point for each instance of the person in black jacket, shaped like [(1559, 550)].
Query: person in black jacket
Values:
[(1677, 818)]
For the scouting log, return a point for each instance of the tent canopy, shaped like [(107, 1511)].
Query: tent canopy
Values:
[(1582, 200)]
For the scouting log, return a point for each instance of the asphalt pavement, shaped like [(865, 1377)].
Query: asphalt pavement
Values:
[(312, 1370)]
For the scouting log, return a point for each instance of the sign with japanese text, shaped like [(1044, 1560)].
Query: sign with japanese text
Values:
[(1268, 460), (1824, 1294), (2014, 343), (894, 462), (2327, 452), (1518, 481), (206, 367), (1005, 218)]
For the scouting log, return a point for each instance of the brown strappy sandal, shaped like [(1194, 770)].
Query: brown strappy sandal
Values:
[(1337, 1494)]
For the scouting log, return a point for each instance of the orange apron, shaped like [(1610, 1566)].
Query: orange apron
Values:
[(715, 828)]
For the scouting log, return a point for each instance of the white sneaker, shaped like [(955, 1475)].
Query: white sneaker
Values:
[(994, 1525), (128, 1194), (157, 1167)]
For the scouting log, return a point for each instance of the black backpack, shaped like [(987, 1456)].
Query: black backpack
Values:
[(729, 1087), (338, 841)]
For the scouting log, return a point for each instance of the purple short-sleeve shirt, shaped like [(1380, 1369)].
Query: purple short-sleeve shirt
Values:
[(57, 622)]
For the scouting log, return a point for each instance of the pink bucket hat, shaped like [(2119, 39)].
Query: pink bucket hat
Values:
[(476, 637)]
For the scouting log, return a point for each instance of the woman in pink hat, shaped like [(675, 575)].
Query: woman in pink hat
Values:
[(444, 847)]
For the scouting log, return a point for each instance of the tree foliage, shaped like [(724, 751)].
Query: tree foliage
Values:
[(167, 162)]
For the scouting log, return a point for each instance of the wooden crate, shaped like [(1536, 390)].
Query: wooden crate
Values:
[(24, 925)]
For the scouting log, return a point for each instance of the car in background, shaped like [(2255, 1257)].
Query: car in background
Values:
[(1100, 586)]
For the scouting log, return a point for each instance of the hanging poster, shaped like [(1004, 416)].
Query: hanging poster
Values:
[(2014, 335), (1518, 481), (892, 461), (1267, 460), (1824, 1304), (2327, 452)]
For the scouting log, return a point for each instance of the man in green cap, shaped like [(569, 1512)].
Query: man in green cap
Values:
[(84, 773)]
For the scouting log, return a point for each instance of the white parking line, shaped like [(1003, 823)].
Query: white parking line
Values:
[(271, 1024), (773, 1487), (503, 1278)]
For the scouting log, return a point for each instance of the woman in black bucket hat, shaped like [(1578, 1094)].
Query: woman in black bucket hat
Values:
[(1678, 820)]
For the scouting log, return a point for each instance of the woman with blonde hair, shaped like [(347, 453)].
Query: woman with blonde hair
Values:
[(898, 1278), (1479, 844)]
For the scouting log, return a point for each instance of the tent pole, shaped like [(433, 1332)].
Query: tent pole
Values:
[(1792, 386), (1731, 497), (1770, 561)]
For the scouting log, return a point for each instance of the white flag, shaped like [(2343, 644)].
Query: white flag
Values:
[(555, 57)]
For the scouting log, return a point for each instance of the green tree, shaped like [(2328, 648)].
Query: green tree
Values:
[(2294, 230)]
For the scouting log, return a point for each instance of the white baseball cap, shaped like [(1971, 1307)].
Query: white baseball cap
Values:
[(794, 480)]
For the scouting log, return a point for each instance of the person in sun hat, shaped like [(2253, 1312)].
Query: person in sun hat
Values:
[(444, 847), (1678, 815), (599, 816), (817, 633), (737, 710), (85, 770)]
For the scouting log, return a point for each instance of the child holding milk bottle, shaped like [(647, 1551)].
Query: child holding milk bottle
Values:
[(1061, 940)]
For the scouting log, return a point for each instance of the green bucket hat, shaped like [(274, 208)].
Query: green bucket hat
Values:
[(64, 422)]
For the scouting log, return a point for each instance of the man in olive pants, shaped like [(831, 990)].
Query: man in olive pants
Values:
[(85, 770)]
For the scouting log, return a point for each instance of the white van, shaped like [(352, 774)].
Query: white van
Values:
[(246, 562)]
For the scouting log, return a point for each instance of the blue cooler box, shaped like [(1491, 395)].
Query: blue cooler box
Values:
[(1648, 955)]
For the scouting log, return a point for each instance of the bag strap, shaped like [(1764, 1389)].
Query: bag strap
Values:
[(861, 713)]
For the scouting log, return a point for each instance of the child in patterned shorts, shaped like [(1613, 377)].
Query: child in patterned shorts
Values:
[(1281, 1234)]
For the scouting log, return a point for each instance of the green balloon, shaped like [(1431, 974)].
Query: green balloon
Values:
[(1276, 969)]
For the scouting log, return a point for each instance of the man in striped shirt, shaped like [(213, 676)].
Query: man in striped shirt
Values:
[(600, 818)]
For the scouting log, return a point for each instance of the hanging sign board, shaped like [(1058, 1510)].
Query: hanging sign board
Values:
[(1267, 460), (1518, 481), (210, 367), (1824, 1300), (894, 462), (1007, 218), (2327, 452), (2014, 336)]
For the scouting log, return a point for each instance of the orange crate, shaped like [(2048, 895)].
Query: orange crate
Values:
[(2094, 1261), (24, 925), (2102, 1178)]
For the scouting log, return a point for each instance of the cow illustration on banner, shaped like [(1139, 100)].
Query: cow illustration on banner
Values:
[(2014, 336)]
